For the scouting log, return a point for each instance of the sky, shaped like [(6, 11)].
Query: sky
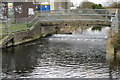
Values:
[(103, 2)]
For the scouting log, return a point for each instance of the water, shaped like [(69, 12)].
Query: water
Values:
[(62, 56)]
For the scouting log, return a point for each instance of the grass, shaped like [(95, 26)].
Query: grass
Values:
[(13, 28), (2, 28), (31, 24), (97, 28)]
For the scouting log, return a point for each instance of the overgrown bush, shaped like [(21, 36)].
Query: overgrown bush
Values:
[(97, 6)]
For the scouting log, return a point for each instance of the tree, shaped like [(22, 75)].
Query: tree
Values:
[(113, 3), (97, 6), (86, 5), (71, 4)]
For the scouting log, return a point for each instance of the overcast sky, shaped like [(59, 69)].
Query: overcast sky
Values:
[(103, 2)]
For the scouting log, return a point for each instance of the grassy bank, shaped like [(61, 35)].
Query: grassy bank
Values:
[(5, 29)]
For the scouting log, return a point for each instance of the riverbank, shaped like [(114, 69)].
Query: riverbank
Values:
[(42, 29), (62, 56), (117, 41), (37, 31), (113, 43)]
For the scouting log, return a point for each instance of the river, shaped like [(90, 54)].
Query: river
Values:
[(78, 55)]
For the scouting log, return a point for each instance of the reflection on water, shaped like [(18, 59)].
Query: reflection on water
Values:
[(97, 28), (61, 56)]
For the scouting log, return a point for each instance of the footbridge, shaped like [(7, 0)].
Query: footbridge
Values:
[(11, 26), (80, 14), (21, 24), (25, 29)]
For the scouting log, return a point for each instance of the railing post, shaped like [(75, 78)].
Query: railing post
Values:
[(26, 23), (6, 27)]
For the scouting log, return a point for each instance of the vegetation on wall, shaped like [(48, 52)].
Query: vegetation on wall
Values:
[(118, 40)]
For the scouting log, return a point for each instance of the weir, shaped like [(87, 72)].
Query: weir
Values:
[(80, 54), (60, 56), (89, 16)]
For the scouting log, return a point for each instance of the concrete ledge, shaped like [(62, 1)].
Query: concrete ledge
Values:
[(33, 33), (41, 29)]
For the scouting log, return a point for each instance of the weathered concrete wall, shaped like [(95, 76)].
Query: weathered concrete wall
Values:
[(78, 23), (43, 29), (118, 53), (33, 33), (112, 45)]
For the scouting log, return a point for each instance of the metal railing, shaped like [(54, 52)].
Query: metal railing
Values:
[(79, 14), (16, 25), (79, 11), (21, 24)]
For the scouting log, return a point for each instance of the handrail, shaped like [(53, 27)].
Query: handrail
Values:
[(25, 24), (33, 19), (78, 9), (80, 14)]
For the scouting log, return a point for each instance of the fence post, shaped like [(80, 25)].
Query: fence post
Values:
[(26, 23), (8, 27)]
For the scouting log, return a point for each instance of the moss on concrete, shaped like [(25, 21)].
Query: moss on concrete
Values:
[(110, 47)]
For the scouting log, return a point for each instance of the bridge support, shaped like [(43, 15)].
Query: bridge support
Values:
[(10, 43), (115, 22)]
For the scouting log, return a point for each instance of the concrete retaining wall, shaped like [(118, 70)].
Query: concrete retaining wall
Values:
[(78, 23), (42, 29), (33, 33)]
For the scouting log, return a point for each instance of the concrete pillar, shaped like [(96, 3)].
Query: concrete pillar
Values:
[(118, 19), (42, 30), (119, 14)]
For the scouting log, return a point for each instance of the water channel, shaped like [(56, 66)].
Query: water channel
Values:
[(78, 55)]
